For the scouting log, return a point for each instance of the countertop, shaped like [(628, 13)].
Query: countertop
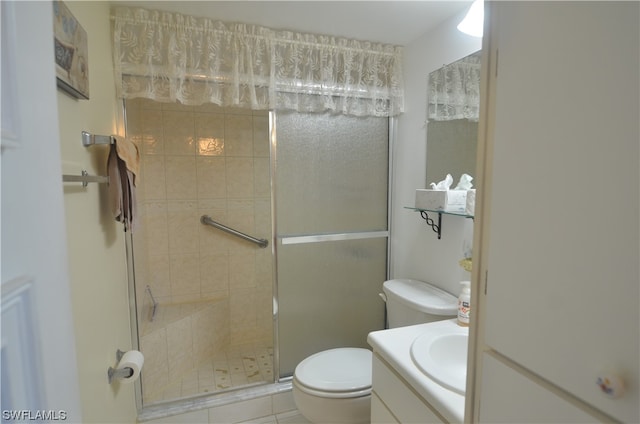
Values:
[(394, 346)]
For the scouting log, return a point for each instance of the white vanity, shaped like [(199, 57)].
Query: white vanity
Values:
[(402, 392)]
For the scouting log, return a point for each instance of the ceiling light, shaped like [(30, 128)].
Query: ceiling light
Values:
[(472, 23)]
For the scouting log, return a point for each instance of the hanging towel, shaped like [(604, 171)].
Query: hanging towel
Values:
[(123, 166)]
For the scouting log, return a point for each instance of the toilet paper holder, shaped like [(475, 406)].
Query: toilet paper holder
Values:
[(118, 374)]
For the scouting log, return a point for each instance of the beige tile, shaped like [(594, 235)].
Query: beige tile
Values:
[(211, 177), (159, 276), (183, 223), (261, 136), (214, 273), (209, 108), (240, 179), (152, 142), (262, 179), (154, 348), (180, 177), (176, 106), (195, 417), (242, 308), (210, 136), (148, 104), (179, 133), (242, 270), (293, 417), (153, 180), (241, 411), (157, 228), (239, 135), (180, 347), (185, 274)]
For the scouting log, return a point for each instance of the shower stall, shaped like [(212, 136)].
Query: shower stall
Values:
[(215, 312)]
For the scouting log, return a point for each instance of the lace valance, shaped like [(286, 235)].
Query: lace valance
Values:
[(171, 57), (454, 90)]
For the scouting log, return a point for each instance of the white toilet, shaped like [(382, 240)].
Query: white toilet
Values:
[(334, 386)]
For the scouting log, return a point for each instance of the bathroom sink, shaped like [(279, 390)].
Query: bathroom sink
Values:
[(441, 355)]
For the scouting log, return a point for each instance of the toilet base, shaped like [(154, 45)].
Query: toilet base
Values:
[(317, 409)]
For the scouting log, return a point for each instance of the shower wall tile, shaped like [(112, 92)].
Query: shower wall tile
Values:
[(152, 132), (183, 223), (242, 270), (261, 135), (262, 182), (185, 275), (211, 173), (214, 274), (242, 305), (210, 134), (155, 221), (209, 108), (179, 133), (239, 135), (153, 182), (181, 177), (159, 275), (239, 177)]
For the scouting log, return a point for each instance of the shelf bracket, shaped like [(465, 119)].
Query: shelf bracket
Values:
[(437, 228)]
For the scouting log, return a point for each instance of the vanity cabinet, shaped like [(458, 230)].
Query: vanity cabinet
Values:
[(394, 401), (558, 285)]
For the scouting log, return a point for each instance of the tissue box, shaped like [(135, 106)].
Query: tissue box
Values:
[(441, 200), (471, 202)]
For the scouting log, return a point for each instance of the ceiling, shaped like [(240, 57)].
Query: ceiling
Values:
[(392, 22)]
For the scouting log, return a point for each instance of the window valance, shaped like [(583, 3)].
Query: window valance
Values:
[(454, 90), (171, 57)]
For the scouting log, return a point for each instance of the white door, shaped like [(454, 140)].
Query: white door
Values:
[(563, 279), (39, 372)]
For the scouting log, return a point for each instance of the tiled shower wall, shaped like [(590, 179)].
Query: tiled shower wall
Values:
[(214, 290)]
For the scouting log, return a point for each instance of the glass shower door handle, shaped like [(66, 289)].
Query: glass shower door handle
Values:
[(316, 238)]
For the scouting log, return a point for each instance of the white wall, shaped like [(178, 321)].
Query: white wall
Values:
[(417, 252), (98, 272)]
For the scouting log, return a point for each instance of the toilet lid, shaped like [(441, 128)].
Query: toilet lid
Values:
[(336, 370)]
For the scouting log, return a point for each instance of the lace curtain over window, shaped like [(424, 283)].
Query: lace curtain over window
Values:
[(454, 91), (171, 57)]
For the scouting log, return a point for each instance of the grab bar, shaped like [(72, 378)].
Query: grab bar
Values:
[(206, 220)]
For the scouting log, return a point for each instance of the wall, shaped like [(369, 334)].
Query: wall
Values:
[(417, 252), (96, 244)]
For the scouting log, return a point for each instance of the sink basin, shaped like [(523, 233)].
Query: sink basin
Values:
[(442, 356)]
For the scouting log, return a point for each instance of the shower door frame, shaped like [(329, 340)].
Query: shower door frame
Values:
[(392, 133)]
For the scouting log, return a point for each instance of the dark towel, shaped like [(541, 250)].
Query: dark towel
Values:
[(122, 185)]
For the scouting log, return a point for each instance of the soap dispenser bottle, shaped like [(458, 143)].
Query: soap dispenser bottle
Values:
[(464, 304)]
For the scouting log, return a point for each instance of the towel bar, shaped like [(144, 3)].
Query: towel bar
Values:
[(89, 139), (85, 178)]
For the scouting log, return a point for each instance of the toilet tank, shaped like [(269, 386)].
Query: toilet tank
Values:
[(415, 302)]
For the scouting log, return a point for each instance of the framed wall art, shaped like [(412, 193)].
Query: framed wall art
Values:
[(71, 52)]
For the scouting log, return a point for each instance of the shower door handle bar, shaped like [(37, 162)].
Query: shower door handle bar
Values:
[(206, 220), (316, 238)]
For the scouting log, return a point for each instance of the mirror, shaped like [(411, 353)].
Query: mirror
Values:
[(452, 128)]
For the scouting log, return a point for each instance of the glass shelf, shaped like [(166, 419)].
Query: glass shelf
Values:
[(437, 228)]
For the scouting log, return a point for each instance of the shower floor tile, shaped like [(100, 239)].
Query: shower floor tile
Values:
[(223, 372)]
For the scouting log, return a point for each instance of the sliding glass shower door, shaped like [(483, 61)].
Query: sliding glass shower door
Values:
[(331, 205)]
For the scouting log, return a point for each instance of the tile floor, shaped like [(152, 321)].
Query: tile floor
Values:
[(241, 367)]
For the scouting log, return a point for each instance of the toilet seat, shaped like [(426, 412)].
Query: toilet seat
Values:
[(336, 373)]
